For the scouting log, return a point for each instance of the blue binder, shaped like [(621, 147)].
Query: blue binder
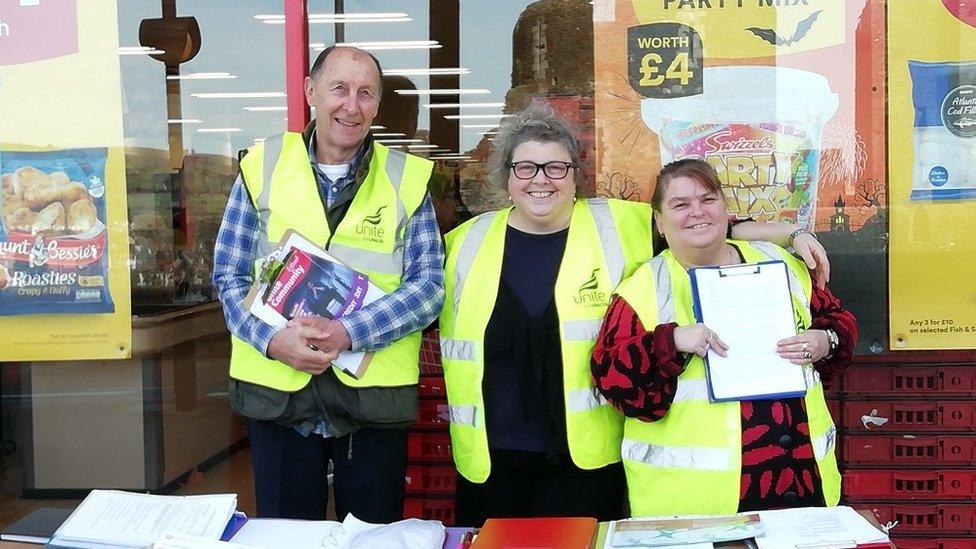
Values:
[(748, 269)]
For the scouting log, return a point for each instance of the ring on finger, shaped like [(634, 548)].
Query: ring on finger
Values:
[(312, 346), (805, 346), (807, 354)]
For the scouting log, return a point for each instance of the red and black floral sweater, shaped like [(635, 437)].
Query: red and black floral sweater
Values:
[(637, 371)]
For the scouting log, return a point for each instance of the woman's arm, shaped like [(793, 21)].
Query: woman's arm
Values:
[(828, 313), (805, 244), (636, 370)]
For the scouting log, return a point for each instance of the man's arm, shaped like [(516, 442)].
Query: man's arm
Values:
[(409, 308), (805, 245), (234, 254)]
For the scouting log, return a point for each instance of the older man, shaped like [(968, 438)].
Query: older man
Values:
[(368, 205)]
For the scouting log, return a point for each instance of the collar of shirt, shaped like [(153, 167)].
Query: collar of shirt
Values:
[(353, 166)]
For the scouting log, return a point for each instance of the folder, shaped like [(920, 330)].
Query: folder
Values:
[(36, 527), (525, 533), (750, 308)]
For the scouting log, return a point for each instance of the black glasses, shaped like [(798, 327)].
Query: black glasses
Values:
[(526, 169)]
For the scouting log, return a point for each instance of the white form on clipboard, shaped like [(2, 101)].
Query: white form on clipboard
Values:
[(749, 306)]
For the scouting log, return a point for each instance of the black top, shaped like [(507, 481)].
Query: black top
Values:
[(524, 407)]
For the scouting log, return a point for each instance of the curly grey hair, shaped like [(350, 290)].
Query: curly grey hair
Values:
[(540, 123)]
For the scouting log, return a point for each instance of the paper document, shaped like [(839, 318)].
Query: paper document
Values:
[(750, 308), (123, 519), (173, 540), (351, 533), (688, 531), (295, 534), (816, 528)]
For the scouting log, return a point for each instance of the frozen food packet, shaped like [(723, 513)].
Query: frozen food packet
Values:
[(944, 97), (53, 242)]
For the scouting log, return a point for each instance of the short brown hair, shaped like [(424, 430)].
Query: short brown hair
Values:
[(699, 170)]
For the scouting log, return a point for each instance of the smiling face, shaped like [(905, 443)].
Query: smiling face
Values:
[(542, 205), (346, 97), (691, 216)]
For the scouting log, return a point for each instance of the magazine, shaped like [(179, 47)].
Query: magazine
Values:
[(665, 532), (300, 279)]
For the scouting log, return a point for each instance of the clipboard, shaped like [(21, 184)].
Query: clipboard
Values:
[(750, 307)]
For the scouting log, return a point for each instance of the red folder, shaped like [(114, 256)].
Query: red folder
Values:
[(536, 533)]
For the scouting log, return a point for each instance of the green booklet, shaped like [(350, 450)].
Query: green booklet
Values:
[(662, 532)]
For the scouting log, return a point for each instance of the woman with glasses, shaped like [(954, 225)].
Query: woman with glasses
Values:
[(526, 289)]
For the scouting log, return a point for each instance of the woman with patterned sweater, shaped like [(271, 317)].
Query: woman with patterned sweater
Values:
[(683, 454)]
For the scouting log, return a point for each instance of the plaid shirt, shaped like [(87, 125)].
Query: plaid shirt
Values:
[(409, 308)]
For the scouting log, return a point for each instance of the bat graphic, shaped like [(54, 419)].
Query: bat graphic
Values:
[(802, 28)]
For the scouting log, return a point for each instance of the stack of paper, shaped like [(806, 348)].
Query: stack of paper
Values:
[(110, 518), (817, 527)]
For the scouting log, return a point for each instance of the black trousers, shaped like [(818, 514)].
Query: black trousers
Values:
[(531, 484), (369, 470)]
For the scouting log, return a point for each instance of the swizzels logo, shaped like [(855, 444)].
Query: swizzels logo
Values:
[(370, 228), (23, 21), (755, 178), (589, 293), (54, 252)]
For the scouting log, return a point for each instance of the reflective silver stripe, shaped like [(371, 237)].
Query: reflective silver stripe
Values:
[(683, 457), (613, 252), (662, 285), (824, 444), (691, 389), (581, 330), (396, 166), (811, 377), (584, 400), (457, 349), (463, 415), (380, 262), (769, 251), (272, 150), (469, 250)]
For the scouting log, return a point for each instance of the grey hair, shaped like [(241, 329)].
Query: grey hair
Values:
[(540, 123)]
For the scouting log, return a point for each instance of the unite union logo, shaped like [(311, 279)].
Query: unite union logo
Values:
[(369, 227), (589, 291)]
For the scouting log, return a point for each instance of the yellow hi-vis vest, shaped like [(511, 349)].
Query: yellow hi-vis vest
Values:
[(690, 461), (607, 240), (370, 239)]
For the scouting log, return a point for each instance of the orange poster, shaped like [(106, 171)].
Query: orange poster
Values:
[(784, 99)]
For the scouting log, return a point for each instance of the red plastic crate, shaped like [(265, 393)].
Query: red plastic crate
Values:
[(950, 518), (907, 450), (833, 405), (910, 416), (934, 543), (432, 387), (861, 485), (429, 447), (919, 381), (431, 480), (430, 509), (430, 354), (432, 415)]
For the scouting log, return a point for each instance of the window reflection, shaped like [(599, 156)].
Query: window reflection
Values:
[(186, 116)]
